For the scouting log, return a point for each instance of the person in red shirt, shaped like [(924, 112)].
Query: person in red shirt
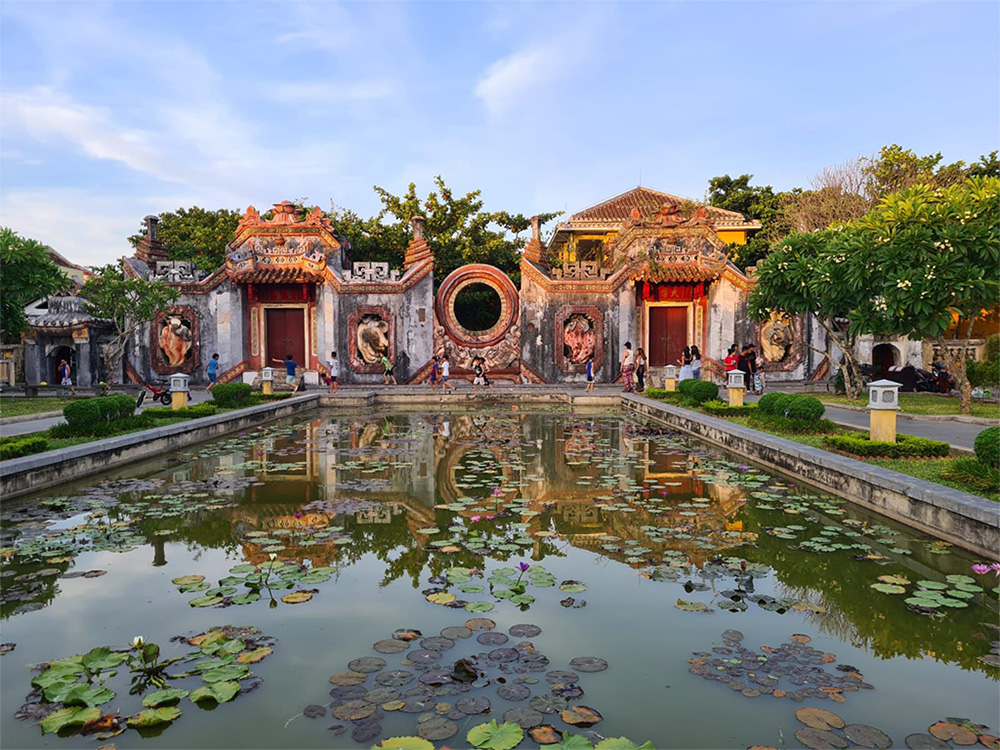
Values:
[(731, 359)]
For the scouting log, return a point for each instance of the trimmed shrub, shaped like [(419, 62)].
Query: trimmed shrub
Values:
[(774, 404), (780, 424), (906, 446), (665, 395), (229, 395), (271, 396), (103, 429), (188, 412), (804, 407), (987, 447), (722, 409), (23, 447), (83, 414), (698, 391)]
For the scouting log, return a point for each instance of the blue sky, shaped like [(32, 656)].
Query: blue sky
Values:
[(111, 111)]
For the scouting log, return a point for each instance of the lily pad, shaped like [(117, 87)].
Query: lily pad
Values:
[(297, 597), (588, 664), (480, 623), (255, 655), (456, 631), (524, 717), (354, 710), (390, 646), (817, 718), (437, 728), (394, 678), (479, 607), (366, 664), (622, 743), (493, 736), (492, 638), (581, 716), (347, 679), (69, 717), (545, 734), (888, 588), (161, 697), (921, 741), (513, 692), (153, 716), (863, 735), (524, 631), (946, 730), (404, 743), (819, 739), (473, 704), (549, 704), (187, 580)]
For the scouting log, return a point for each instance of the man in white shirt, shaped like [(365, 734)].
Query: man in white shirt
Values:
[(446, 373), (333, 365)]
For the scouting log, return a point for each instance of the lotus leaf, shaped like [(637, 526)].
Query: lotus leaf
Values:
[(573, 742), (161, 697), (297, 597), (252, 657), (493, 736), (622, 743), (69, 717), (404, 743), (102, 658), (222, 674), (153, 716), (480, 606)]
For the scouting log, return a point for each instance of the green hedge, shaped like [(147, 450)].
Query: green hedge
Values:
[(103, 429), (23, 447), (906, 446), (793, 405), (698, 391), (188, 412), (662, 394), (987, 446), (272, 396), (229, 395), (722, 409), (791, 424), (91, 411)]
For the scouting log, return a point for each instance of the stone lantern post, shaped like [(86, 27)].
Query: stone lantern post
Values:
[(670, 379), (179, 390), (267, 380), (883, 403), (735, 387)]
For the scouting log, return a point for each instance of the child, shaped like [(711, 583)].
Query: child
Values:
[(590, 374), (434, 373), (477, 375), (388, 370), (486, 380), (290, 367), (213, 372), (445, 373), (333, 365)]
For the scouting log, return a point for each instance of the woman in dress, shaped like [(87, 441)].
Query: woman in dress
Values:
[(628, 367), (696, 362), (686, 371), (640, 369)]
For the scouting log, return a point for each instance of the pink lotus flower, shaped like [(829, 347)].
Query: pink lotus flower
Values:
[(475, 519), (996, 568), (489, 518), (982, 568), (497, 491)]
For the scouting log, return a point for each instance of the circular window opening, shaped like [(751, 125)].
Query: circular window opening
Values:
[(477, 307)]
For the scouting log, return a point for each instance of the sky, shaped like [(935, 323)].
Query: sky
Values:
[(110, 111)]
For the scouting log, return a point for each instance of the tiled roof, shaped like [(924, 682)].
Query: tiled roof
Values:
[(285, 275), (646, 201)]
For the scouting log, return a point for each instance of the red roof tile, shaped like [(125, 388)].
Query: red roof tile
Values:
[(646, 201)]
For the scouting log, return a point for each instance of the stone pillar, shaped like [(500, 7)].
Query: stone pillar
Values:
[(883, 403), (735, 386), (533, 250), (418, 250)]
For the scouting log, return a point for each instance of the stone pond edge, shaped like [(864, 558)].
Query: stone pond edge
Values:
[(964, 519)]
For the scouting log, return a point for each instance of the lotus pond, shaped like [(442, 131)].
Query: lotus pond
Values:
[(495, 579)]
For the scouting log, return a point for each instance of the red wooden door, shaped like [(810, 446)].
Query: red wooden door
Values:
[(667, 335), (286, 335)]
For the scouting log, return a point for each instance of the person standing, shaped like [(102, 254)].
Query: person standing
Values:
[(757, 377), (731, 359), (687, 372), (433, 380), (696, 363), (486, 377), (640, 369), (66, 377), (477, 375), (333, 366), (290, 368), (387, 370), (590, 373), (743, 365), (445, 374), (212, 370), (628, 367)]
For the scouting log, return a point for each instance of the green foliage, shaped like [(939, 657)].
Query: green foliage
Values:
[(458, 230), (780, 424), (699, 391), (195, 234), (754, 202), (269, 396), (230, 395), (128, 302), (906, 446), (804, 407), (774, 404), (987, 446), (103, 429), (93, 411), (974, 475), (897, 168), (493, 736), (722, 409), (188, 412), (28, 274), (23, 447)]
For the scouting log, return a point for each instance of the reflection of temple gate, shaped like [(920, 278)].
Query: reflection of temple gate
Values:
[(667, 333), (285, 334)]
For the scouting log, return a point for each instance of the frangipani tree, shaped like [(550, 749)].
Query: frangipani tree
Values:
[(810, 274), (931, 258)]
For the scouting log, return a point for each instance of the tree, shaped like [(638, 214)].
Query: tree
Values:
[(195, 234), (810, 274), (128, 302), (896, 168), (840, 193), (27, 273), (458, 230), (754, 202), (930, 256)]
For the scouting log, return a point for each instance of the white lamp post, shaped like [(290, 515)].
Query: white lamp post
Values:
[(179, 390), (883, 403), (267, 380), (670, 379)]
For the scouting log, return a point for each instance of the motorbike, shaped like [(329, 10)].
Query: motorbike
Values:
[(160, 391), (935, 380)]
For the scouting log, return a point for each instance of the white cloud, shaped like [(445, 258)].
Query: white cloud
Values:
[(319, 92), (509, 80)]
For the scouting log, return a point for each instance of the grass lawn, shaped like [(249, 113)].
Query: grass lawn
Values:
[(57, 443), (922, 403), (921, 468), (17, 407)]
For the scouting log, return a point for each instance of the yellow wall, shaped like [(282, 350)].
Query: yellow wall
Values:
[(732, 236)]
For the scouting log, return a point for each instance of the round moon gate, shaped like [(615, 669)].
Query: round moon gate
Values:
[(459, 279)]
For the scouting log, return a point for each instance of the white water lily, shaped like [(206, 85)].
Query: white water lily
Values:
[(138, 642), (273, 556)]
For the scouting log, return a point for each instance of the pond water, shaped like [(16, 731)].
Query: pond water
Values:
[(719, 597)]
